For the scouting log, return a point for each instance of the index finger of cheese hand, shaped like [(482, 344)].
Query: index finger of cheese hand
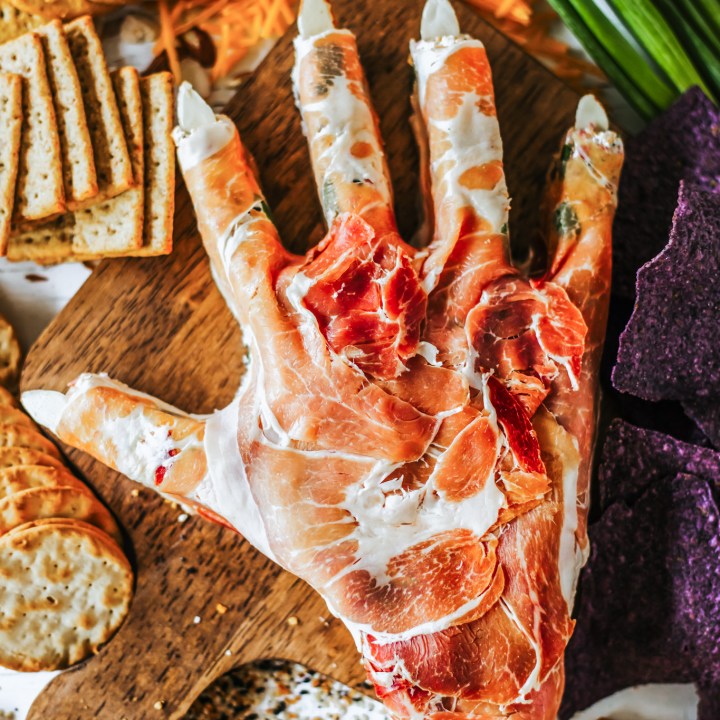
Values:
[(135, 434), (456, 100), (339, 121)]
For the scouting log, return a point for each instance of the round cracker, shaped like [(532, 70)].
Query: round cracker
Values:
[(56, 502), (25, 477), (63, 522), (14, 416), (19, 436), (13, 456), (7, 398), (10, 356), (65, 591), (62, 9)]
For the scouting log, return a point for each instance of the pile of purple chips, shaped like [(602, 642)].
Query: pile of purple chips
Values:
[(670, 349), (648, 608), (682, 144)]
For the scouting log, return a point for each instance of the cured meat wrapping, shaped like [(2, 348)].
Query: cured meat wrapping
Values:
[(414, 430)]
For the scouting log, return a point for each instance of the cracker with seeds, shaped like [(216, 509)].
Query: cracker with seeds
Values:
[(65, 591), (79, 177), (39, 189), (25, 477), (11, 123)]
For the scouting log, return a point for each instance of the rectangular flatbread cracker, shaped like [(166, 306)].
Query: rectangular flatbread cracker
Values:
[(39, 191), (11, 124), (79, 177)]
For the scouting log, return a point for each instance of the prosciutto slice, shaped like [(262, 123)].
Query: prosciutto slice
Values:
[(414, 432)]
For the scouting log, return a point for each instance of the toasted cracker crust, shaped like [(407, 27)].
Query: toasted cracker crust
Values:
[(65, 591), (11, 123), (39, 190)]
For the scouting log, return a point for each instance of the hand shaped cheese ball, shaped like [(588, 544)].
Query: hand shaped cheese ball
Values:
[(414, 431)]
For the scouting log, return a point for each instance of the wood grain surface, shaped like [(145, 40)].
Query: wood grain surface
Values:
[(161, 326)]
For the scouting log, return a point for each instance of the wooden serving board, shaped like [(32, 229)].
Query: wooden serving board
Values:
[(161, 326)]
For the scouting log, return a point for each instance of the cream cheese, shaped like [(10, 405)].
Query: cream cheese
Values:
[(200, 133), (646, 702), (438, 20)]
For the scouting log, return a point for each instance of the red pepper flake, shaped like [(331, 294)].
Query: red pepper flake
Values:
[(162, 469)]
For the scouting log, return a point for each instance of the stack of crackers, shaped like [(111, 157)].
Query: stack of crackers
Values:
[(65, 583), (87, 162)]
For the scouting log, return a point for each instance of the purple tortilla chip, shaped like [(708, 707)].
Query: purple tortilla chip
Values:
[(681, 144), (649, 599), (705, 412), (634, 459), (670, 348)]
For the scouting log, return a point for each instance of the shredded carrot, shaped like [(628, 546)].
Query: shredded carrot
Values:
[(168, 38), (236, 26)]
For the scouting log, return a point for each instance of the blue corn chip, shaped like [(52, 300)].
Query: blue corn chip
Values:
[(670, 348), (681, 144), (649, 600), (705, 412), (634, 459)]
